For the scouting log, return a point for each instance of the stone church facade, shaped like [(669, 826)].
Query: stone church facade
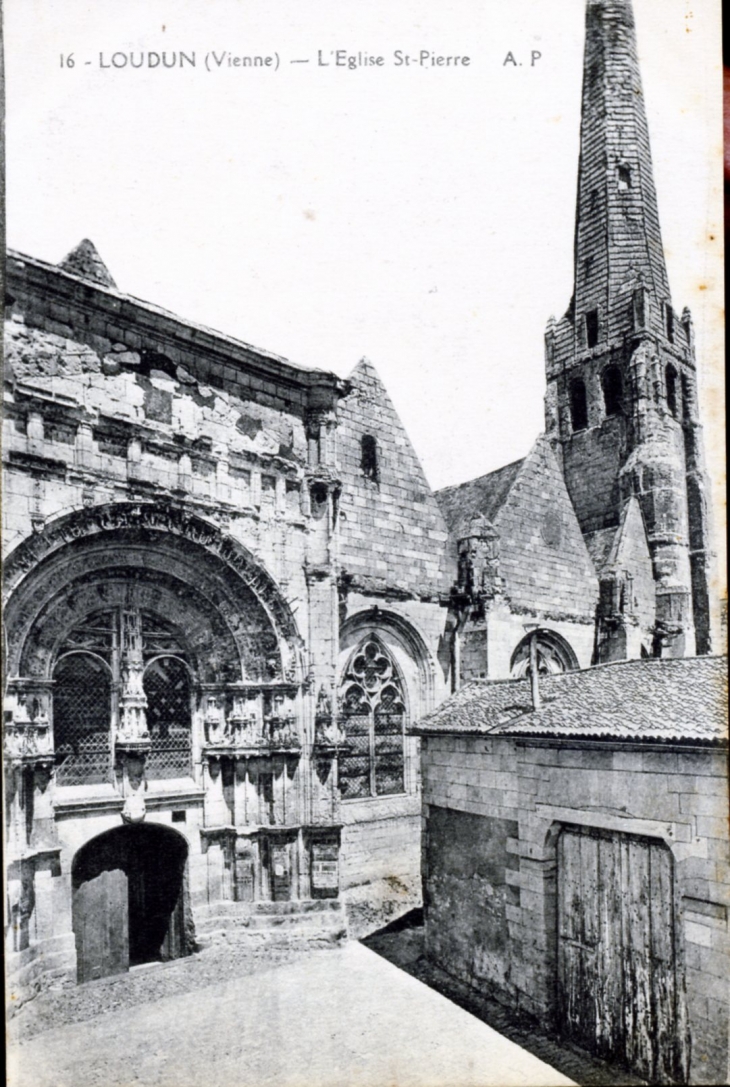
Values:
[(230, 589), (223, 578)]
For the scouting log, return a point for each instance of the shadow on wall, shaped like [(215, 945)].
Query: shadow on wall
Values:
[(382, 902)]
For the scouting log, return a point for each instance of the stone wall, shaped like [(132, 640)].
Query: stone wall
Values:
[(543, 561), (392, 533), (494, 806), (153, 464), (592, 460), (82, 430)]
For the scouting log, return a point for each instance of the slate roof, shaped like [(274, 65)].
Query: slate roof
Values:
[(670, 700), (485, 495)]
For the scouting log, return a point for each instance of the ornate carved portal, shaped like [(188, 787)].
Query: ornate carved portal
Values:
[(148, 641), (138, 654), (373, 716)]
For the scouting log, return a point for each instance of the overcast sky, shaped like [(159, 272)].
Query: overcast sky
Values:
[(422, 216)]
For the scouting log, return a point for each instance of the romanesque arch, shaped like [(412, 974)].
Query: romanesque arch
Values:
[(196, 567), (132, 622)]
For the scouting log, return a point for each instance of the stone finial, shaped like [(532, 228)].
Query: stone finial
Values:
[(85, 262)]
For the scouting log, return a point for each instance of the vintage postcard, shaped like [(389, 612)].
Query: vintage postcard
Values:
[(363, 543)]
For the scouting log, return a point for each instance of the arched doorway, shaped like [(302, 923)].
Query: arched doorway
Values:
[(129, 901)]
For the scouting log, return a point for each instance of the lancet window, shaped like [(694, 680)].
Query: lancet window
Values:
[(612, 390), (578, 404), (671, 375), (373, 717)]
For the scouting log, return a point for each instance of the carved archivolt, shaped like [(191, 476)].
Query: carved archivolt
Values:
[(240, 627)]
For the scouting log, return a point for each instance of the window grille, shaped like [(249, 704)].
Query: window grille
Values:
[(88, 669), (354, 770), (82, 719), (167, 686), (373, 718)]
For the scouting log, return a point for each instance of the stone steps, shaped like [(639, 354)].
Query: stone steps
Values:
[(319, 922)]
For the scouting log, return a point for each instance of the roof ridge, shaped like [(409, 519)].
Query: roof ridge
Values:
[(485, 475)]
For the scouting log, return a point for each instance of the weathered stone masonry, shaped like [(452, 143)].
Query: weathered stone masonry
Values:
[(621, 398), (180, 623), (230, 588), (494, 810), (171, 501)]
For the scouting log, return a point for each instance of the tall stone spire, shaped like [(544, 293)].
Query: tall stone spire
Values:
[(618, 245), (621, 402)]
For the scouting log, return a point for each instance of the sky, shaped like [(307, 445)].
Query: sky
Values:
[(421, 216)]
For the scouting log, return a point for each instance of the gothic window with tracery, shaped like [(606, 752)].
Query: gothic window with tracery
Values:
[(373, 715)]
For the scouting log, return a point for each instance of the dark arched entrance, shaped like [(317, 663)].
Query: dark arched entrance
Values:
[(129, 900)]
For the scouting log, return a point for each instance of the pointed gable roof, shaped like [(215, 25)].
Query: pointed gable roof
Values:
[(483, 496), (630, 540), (84, 261), (392, 532), (611, 548), (543, 559)]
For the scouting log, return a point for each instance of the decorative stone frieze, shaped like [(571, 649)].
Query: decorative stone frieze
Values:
[(28, 736), (328, 736), (242, 720)]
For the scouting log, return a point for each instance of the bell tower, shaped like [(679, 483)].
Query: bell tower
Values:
[(621, 400)]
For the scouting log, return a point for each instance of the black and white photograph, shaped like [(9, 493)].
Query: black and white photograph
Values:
[(363, 523)]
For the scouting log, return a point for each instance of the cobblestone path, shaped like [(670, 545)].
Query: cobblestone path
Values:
[(402, 944), (335, 1018)]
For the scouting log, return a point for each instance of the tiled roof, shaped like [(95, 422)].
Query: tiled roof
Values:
[(671, 700), (485, 495)]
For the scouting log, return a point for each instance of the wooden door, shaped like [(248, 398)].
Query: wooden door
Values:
[(100, 908), (617, 989), (280, 871)]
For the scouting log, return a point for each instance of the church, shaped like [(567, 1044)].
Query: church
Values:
[(230, 590)]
